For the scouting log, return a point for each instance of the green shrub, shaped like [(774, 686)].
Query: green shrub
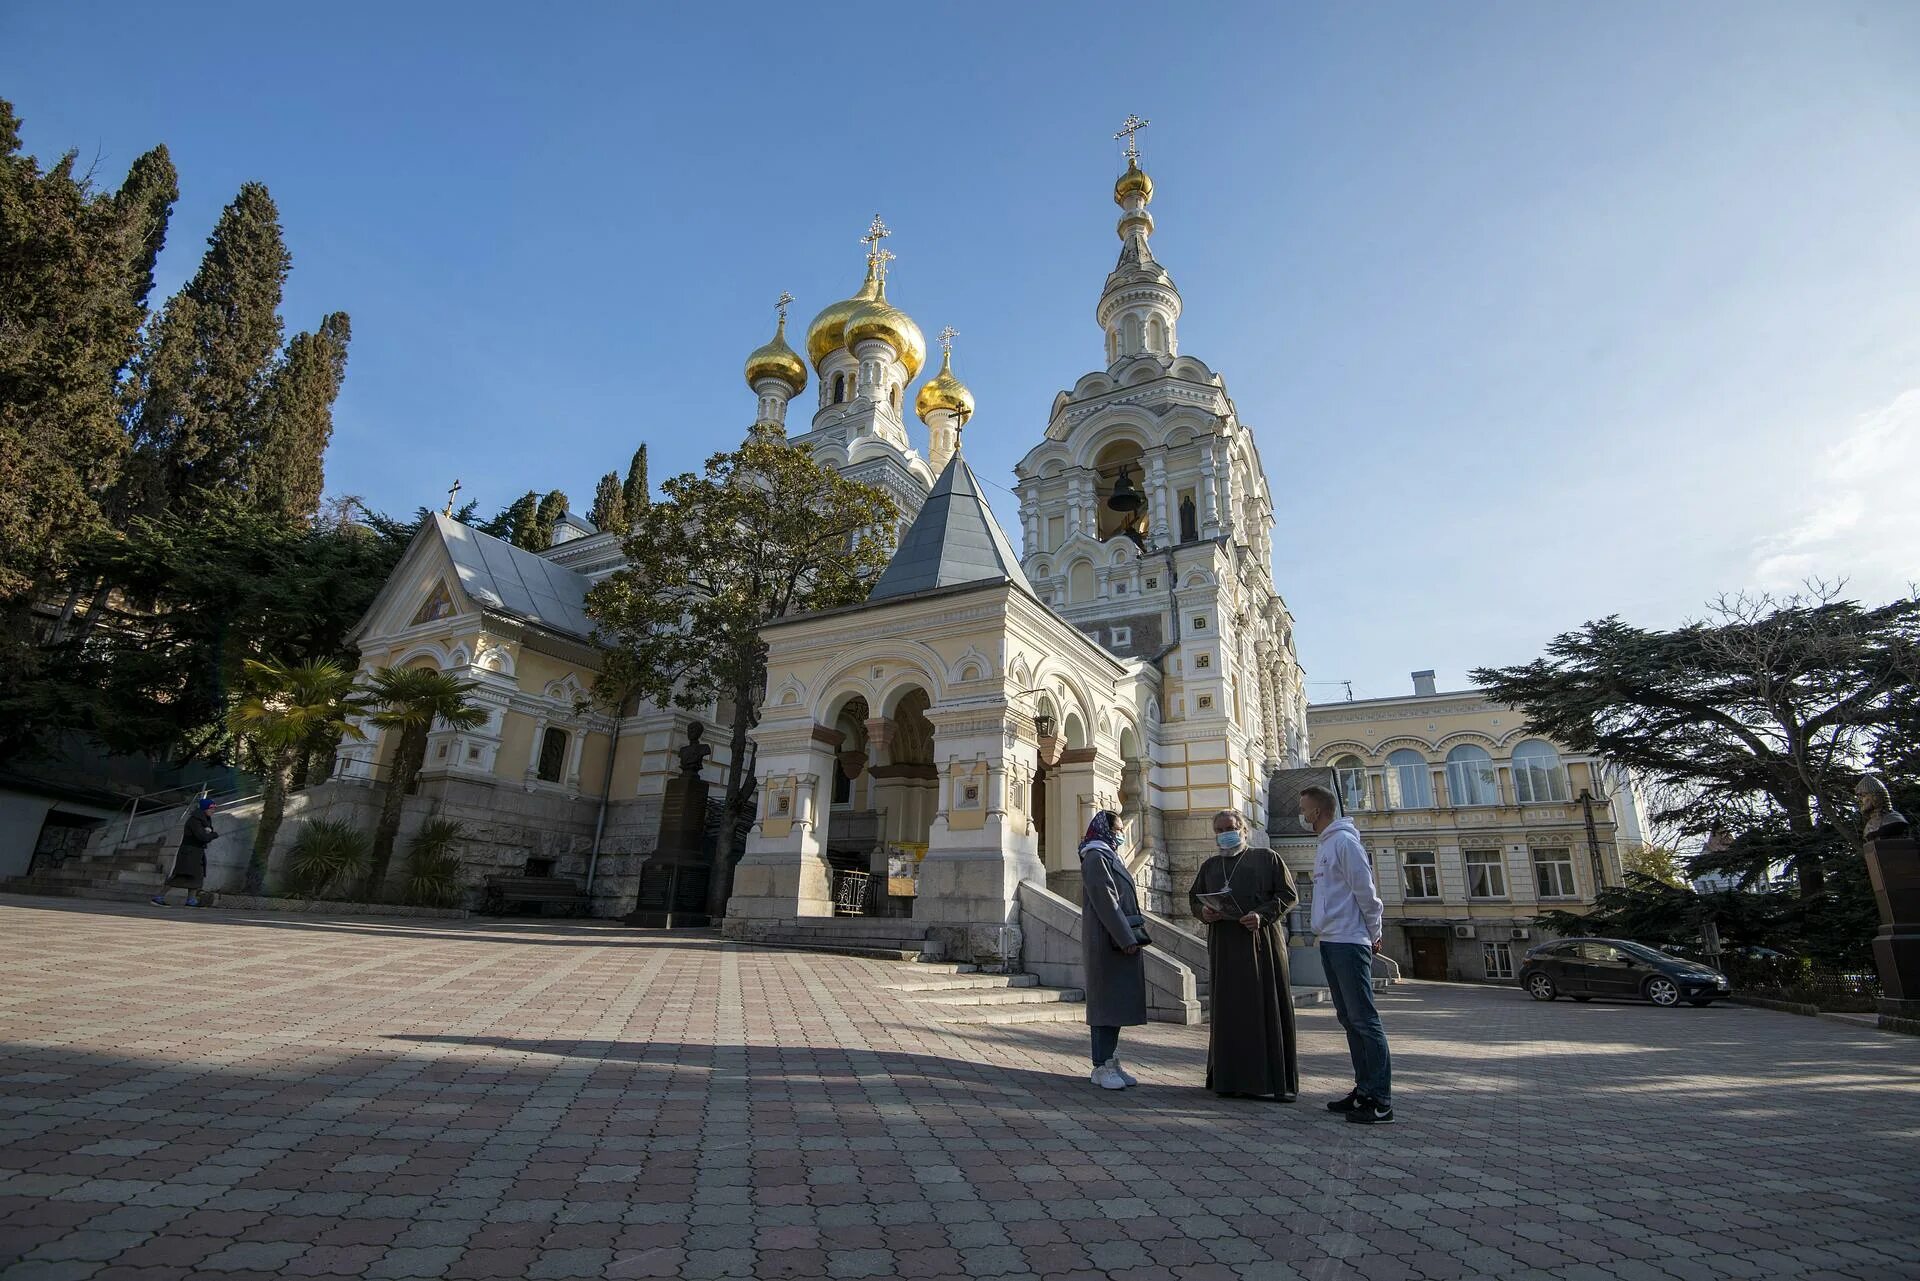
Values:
[(328, 851), (432, 876)]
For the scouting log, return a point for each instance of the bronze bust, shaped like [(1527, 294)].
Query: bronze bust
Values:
[(695, 753), (1879, 821)]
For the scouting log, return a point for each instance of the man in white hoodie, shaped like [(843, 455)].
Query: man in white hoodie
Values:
[(1347, 916)]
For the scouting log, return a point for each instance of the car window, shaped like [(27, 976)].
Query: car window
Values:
[(1599, 952)]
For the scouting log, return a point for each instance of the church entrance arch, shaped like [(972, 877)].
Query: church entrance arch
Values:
[(886, 819)]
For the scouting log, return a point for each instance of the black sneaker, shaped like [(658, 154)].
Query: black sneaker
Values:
[(1348, 1104), (1371, 1112)]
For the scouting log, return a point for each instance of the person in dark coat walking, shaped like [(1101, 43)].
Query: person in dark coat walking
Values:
[(1112, 932), (1250, 1044), (190, 863)]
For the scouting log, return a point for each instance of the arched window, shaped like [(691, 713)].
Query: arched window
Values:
[(1157, 335), (1080, 581), (1130, 335), (553, 755), (1113, 345), (1470, 776), (1409, 786), (896, 399), (839, 389), (1537, 773), (1351, 776)]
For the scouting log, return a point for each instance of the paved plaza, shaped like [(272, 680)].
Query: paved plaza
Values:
[(223, 1095)]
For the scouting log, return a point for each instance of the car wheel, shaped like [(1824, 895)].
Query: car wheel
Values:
[(1540, 987), (1702, 1003), (1662, 991), (1583, 998)]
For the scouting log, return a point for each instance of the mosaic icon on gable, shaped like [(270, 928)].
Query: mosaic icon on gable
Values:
[(438, 605)]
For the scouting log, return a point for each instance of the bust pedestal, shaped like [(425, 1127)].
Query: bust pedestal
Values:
[(1893, 865), (673, 880)]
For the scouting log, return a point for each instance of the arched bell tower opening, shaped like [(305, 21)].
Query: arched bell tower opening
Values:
[(1120, 471)]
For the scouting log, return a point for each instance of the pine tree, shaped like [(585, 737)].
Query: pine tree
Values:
[(76, 267), (635, 492), (609, 511), (285, 473), (546, 517), (195, 395)]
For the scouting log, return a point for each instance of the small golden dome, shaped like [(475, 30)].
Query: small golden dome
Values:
[(944, 391), (1134, 182), (777, 360), (824, 335), (881, 319)]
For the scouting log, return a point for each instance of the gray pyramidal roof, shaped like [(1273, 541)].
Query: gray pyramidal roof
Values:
[(512, 581), (953, 541)]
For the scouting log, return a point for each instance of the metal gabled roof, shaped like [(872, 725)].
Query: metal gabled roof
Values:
[(510, 580), (953, 541)]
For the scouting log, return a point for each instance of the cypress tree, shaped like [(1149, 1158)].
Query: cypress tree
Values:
[(609, 511), (517, 521), (545, 517), (76, 267), (635, 492), (285, 472), (197, 386)]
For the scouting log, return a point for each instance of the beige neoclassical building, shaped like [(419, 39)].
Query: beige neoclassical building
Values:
[(1475, 825)]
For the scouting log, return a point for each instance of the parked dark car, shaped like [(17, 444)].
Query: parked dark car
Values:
[(1586, 968)]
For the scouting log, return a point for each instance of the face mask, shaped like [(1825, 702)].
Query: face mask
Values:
[(1227, 840), (1119, 839)]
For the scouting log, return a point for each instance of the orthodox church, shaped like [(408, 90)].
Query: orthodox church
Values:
[(923, 753)]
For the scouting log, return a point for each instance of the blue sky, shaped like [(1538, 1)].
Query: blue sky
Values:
[(1539, 311)]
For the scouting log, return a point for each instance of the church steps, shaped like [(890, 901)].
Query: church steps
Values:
[(1000, 1015), (1003, 996), (967, 982)]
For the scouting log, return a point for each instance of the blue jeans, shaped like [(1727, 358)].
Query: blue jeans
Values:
[(1349, 969), (1106, 1040)]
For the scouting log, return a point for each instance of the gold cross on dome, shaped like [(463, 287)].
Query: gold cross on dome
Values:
[(1128, 131), (780, 303), (451, 493), (877, 258), (947, 336)]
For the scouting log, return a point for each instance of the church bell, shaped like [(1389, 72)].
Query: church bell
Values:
[(1125, 497)]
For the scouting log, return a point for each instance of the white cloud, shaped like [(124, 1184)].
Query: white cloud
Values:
[(1861, 516)]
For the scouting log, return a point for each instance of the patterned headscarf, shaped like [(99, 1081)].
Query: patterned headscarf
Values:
[(1104, 827)]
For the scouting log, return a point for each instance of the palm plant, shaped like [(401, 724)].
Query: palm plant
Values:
[(327, 852), (286, 711), (409, 701), (432, 876)]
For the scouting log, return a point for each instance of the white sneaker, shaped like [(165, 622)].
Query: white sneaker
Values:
[(1108, 1077), (1125, 1075)]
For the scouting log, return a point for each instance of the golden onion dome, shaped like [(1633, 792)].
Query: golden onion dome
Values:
[(881, 319), (777, 360), (825, 334), (1134, 182), (944, 391)]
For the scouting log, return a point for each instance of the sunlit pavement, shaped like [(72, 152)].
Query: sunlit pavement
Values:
[(219, 1094)]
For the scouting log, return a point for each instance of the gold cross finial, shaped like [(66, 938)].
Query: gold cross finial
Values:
[(1128, 131), (947, 336), (877, 258), (780, 304), (451, 493)]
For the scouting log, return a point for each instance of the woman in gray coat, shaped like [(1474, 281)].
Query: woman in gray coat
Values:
[(1112, 932)]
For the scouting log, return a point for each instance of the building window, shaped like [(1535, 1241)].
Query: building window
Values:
[(1189, 523), (1152, 583), (1121, 637), (839, 389), (553, 755), (1486, 874), (1537, 773), (1199, 623), (1056, 532), (1202, 662), (1470, 776), (1498, 958), (1351, 777), (1409, 785), (1423, 873), (1553, 874)]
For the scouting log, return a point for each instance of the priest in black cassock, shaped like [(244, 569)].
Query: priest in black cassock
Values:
[(1250, 1053)]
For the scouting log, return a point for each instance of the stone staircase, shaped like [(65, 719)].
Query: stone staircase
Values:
[(878, 938), (962, 994), (123, 876)]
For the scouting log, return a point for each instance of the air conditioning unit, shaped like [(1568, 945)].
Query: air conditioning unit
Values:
[(1463, 931), (1522, 932)]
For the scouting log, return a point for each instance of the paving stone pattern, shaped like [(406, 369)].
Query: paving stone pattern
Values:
[(220, 1095)]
